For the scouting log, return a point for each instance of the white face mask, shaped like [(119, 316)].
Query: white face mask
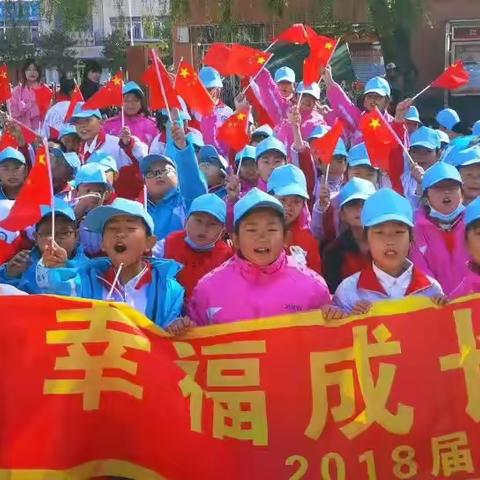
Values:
[(446, 217)]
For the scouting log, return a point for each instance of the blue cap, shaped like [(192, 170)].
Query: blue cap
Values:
[(288, 180), (247, 152), (209, 154), (90, 173), (355, 189), (378, 85), (476, 128), (211, 204), (268, 145), (313, 90), (443, 137), (320, 130), (97, 218), (358, 155), (472, 212), (79, 113), (463, 158), (266, 130), (413, 115), (195, 138), (439, 172), (210, 78), (104, 160), (132, 87), (252, 200), (386, 205), (71, 158), (447, 118), (11, 153), (147, 161), (425, 137), (67, 130), (285, 74), (61, 208)]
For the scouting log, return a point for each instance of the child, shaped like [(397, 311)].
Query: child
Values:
[(447, 119), (468, 163), (471, 282), (172, 185), (13, 172), (269, 155), (412, 120), (288, 184), (348, 253), (21, 271), (260, 134), (260, 280), (214, 166), (439, 247), (387, 218), (126, 274), (109, 166), (246, 168), (70, 139), (64, 167), (200, 248)]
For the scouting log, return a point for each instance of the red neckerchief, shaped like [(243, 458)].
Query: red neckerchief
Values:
[(145, 279), (369, 281), (101, 137)]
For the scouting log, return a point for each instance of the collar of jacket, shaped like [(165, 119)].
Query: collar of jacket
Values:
[(251, 271)]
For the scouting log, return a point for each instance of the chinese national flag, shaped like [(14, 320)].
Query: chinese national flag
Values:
[(325, 146), (5, 87), (8, 140), (29, 135), (191, 89), (234, 132), (162, 93), (36, 192), (74, 100), (110, 95), (247, 61), (321, 52), (218, 57), (455, 76), (43, 96), (298, 34), (379, 138)]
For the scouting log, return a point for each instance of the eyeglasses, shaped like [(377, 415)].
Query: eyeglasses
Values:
[(164, 172), (63, 235)]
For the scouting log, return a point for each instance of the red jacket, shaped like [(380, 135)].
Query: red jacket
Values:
[(195, 264), (302, 237)]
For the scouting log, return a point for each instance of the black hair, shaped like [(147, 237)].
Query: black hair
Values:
[(92, 66), (48, 218), (67, 85), (277, 213), (410, 232), (471, 226), (143, 101), (26, 64)]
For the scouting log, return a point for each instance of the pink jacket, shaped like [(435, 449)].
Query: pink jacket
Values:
[(24, 107), (142, 127), (240, 290), (210, 123), (470, 284), (440, 254)]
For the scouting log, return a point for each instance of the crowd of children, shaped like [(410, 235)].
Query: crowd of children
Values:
[(188, 232)]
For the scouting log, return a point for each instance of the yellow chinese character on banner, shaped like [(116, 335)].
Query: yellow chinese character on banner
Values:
[(112, 354), (239, 414), (375, 394), (451, 455), (468, 360)]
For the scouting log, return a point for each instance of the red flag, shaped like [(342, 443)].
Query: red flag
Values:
[(53, 133), (43, 96), (247, 61), (380, 139), (325, 146), (110, 95), (36, 192), (158, 80), (218, 57), (29, 135), (297, 33), (455, 76), (321, 52), (5, 87), (74, 100), (234, 132), (8, 140), (191, 89)]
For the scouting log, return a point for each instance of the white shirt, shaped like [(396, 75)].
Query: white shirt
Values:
[(55, 117), (396, 287)]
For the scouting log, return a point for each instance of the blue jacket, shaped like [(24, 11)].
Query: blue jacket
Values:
[(164, 295), (28, 281), (170, 213)]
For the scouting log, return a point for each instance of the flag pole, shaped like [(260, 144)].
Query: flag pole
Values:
[(244, 91), (421, 92), (47, 158), (122, 111), (157, 71), (115, 281), (327, 171), (131, 22)]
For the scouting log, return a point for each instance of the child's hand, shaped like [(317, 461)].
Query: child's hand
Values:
[(15, 130), (18, 264), (294, 117), (331, 312), (178, 136), (417, 173), (240, 101), (54, 255), (233, 188), (439, 300), (125, 135), (361, 307), (327, 76), (324, 109), (402, 109), (324, 197), (87, 203), (179, 326)]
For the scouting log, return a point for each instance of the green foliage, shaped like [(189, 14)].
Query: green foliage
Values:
[(115, 49), (277, 7), (179, 9), (72, 15), (13, 48), (55, 50)]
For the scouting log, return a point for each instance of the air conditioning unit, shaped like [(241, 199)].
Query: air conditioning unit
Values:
[(182, 35)]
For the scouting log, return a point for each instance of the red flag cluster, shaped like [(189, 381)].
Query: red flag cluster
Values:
[(110, 95)]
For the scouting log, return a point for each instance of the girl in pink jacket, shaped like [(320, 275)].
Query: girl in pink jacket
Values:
[(439, 244), (134, 112), (260, 280)]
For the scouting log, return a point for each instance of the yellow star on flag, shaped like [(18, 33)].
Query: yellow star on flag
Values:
[(375, 123), (117, 81), (41, 159), (329, 45), (3, 74), (184, 72), (261, 60), (241, 116)]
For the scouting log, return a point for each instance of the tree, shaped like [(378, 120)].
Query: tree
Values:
[(115, 49), (71, 15), (55, 50)]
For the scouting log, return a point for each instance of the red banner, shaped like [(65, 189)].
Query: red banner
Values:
[(91, 388)]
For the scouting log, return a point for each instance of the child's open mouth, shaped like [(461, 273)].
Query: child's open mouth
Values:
[(446, 201), (262, 250), (120, 248), (390, 253)]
